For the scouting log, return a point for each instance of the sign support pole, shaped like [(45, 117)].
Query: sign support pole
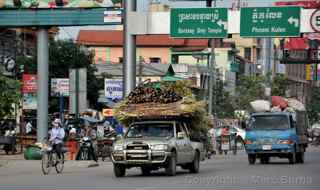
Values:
[(212, 68), (43, 78), (129, 49)]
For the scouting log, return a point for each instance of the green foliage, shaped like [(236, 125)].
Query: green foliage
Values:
[(279, 85), (313, 108), (249, 88), (224, 101), (9, 95), (65, 55)]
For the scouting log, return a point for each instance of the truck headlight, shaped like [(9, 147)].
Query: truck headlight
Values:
[(159, 147), (285, 142), (118, 147)]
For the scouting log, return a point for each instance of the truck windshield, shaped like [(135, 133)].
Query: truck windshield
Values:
[(269, 122), (150, 130)]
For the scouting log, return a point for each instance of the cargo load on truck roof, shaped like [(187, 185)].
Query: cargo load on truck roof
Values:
[(164, 100)]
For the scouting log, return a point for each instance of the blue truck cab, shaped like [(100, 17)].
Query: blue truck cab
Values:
[(276, 134)]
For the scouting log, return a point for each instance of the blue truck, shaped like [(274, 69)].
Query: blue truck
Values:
[(276, 134)]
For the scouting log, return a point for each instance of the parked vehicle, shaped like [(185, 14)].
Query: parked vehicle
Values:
[(156, 144), (277, 134)]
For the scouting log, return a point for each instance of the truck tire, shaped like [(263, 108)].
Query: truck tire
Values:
[(119, 170), (300, 157), (252, 159), (145, 171), (171, 166), (195, 165)]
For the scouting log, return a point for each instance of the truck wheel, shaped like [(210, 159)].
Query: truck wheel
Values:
[(292, 158), (300, 157), (252, 158), (145, 171), (119, 170), (195, 165), (171, 165)]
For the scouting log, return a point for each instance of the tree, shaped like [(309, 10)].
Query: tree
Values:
[(313, 108), (65, 55), (279, 85), (249, 88), (9, 95), (224, 101)]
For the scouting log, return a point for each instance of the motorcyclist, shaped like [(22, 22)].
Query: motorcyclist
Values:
[(91, 134), (56, 137)]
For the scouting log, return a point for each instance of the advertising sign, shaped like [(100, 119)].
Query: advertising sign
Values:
[(29, 83), (59, 86), (34, 4), (29, 101), (113, 88), (107, 112)]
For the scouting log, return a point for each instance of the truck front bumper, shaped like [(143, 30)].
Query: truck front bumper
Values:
[(128, 157), (274, 149)]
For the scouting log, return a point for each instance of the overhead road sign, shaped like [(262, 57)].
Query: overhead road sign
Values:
[(59, 17), (270, 22), (199, 23)]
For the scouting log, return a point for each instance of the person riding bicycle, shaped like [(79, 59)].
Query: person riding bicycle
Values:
[(56, 137)]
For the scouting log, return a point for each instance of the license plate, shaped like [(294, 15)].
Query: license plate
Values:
[(225, 146), (266, 147)]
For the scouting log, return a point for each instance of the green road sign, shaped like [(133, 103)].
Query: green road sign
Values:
[(270, 22), (199, 23)]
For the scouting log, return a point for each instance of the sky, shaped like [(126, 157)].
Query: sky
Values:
[(142, 5)]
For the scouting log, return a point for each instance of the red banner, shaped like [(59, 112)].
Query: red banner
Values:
[(29, 83)]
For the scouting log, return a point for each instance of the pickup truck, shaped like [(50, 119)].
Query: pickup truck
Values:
[(279, 134), (152, 145)]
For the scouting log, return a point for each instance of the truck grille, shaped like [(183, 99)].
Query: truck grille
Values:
[(137, 151), (137, 147), (266, 141)]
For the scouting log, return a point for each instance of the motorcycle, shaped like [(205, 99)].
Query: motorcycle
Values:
[(84, 151)]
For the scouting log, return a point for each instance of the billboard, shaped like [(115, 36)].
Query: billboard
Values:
[(34, 4), (60, 87), (29, 83), (113, 88)]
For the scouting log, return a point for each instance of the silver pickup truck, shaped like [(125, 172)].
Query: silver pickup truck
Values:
[(152, 145)]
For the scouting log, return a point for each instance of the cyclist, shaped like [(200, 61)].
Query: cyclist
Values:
[(56, 137)]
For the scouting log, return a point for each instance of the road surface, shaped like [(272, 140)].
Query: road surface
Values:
[(221, 172)]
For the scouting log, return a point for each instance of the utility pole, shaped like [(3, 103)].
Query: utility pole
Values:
[(212, 71), (43, 78), (129, 49)]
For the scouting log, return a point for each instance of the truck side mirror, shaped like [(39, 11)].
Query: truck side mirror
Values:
[(181, 135)]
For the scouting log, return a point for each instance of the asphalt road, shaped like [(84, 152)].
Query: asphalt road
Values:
[(222, 172)]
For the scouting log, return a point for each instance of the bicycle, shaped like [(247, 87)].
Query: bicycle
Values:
[(50, 159)]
